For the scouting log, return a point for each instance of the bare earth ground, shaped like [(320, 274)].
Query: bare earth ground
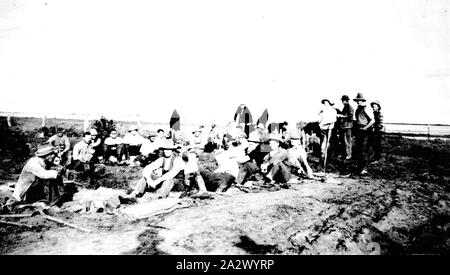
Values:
[(402, 207)]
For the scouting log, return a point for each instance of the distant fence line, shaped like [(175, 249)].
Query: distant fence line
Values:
[(421, 129)]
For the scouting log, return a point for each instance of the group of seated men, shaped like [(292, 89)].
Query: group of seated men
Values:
[(208, 161)]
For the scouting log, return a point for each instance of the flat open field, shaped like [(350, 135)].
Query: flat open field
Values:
[(401, 207)]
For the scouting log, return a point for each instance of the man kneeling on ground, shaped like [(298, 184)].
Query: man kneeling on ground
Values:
[(36, 174), (163, 174)]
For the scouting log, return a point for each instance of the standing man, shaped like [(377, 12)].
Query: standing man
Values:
[(327, 118), (377, 134), (61, 142), (364, 122), (346, 117)]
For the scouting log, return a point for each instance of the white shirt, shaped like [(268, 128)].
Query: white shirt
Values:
[(133, 140)]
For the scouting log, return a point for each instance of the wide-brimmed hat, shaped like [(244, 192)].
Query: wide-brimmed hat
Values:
[(168, 145), (376, 102), (326, 99), (133, 128), (45, 150), (359, 97), (60, 130), (345, 97)]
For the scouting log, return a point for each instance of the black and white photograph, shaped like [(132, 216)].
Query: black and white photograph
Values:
[(237, 128)]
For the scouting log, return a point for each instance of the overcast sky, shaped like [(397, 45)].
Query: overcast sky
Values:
[(204, 58)]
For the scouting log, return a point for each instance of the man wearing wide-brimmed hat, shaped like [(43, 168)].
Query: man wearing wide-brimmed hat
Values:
[(35, 173), (327, 118), (378, 127), (163, 174), (346, 125), (364, 122), (132, 143)]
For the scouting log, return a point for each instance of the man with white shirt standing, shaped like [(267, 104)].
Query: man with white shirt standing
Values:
[(327, 118)]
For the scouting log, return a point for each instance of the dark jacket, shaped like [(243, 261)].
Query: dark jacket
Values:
[(378, 125), (347, 121)]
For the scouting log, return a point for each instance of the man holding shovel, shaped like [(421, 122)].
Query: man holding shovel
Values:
[(327, 118)]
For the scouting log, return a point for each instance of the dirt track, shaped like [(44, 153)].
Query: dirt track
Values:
[(339, 216)]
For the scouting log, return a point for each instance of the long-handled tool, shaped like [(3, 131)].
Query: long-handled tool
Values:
[(326, 150), (53, 219)]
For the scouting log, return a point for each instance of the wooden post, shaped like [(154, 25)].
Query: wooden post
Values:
[(86, 123), (43, 120), (428, 132), (139, 122), (8, 120)]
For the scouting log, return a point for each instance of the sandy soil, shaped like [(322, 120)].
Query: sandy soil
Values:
[(339, 216)]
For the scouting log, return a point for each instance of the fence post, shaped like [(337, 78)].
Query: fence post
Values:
[(43, 120), (8, 120), (428, 135), (86, 123)]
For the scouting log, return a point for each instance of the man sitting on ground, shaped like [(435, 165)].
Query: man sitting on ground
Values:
[(274, 166), (61, 142), (82, 157), (113, 148), (132, 142), (149, 149), (164, 173), (297, 156)]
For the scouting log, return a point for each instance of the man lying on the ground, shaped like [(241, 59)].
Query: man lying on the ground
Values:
[(275, 167), (164, 173), (113, 148), (149, 149), (297, 156), (36, 174), (61, 142), (132, 142)]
